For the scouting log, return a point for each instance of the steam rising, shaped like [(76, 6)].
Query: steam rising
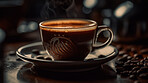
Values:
[(59, 9)]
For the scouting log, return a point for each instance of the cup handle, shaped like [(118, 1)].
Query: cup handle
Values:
[(107, 42)]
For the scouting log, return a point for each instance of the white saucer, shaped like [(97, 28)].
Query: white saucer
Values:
[(91, 61)]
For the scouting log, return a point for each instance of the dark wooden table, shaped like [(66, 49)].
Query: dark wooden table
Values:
[(17, 71)]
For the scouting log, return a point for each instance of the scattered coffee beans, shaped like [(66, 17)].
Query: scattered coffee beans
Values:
[(131, 63)]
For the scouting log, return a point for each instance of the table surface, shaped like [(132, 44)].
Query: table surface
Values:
[(17, 71)]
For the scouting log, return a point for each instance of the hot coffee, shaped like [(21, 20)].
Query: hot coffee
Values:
[(68, 39), (65, 39)]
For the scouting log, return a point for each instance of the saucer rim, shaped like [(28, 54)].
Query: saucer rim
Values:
[(22, 56)]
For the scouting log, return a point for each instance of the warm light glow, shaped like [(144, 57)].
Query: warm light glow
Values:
[(120, 11), (90, 3), (123, 9)]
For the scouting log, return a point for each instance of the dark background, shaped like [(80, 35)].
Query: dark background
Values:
[(127, 18)]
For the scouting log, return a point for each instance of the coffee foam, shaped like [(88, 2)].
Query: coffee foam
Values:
[(68, 25)]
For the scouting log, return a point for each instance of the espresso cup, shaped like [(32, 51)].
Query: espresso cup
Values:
[(71, 39)]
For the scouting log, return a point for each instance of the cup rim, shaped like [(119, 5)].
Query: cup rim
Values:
[(93, 23)]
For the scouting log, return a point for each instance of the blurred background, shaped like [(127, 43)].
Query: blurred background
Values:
[(127, 18)]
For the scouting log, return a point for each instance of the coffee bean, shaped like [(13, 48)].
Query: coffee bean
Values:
[(125, 55), (145, 64), (130, 72), (36, 51), (135, 58), (139, 56), (127, 66), (134, 72), (121, 53), (140, 64), (119, 63), (146, 61), (133, 64), (129, 58), (146, 58), (133, 77), (124, 58), (142, 61), (144, 75), (144, 51), (12, 53), (142, 70), (136, 55), (101, 56), (125, 73), (127, 63), (134, 61), (136, 68), (139, 72)]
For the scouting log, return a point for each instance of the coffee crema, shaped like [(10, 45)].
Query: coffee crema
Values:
[(68, 25), (68, 39)]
